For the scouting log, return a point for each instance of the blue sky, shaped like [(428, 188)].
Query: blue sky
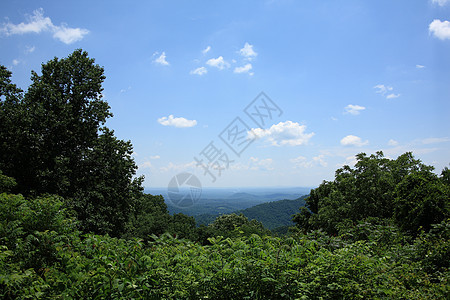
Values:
[(347, 77)]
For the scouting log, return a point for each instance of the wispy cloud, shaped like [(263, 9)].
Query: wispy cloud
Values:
[(303, 162), (441, 2), (393, 142), (15, 62), (284, 133), (37, 23), (385, 90), (420, 66), (248, 52), (206, 50), (254, 164), (354, 109), (30, 49), (199, 71), (353, 140), (244, 69), (440, 29), (435, 140), (218, 63), (178, 167), (392, 96), (382, 89), (161, 59), (146, 165), (179, 122)]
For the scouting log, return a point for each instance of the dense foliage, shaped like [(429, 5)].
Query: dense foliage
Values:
[(403, 190), (75, 224), (53, 141), (273, 214), (42, 256)]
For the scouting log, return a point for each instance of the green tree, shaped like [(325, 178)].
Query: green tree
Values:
[(6, 183), (421, 199), (53, 141), (149, 216), (366, 191), (232, 225)]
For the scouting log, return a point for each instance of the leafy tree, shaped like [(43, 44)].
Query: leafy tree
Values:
[(235, 225), (375, 188), (422, 199), (183, 226), (149, 216), (53, 141), (6, 183)]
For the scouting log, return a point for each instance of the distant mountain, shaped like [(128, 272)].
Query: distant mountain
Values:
[(243, 196), (273, 214), (230, 201)]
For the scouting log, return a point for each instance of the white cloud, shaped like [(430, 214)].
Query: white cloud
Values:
[(420, 66), (382, 89), (248, 52), (15, 62), (199, 71), (155, 157), (440, 29), (161, 60), (441, 2), (125, 90), (257, 164), (146, 165), (354, 109), (219, 63), (180, 167), (385, 89), (254, 164), (284, 133), (352, 140), (69, 35), (244, 69), (30, 49), (177, 122), (206, 50), (392, 142), (392, 96), (435, 140), (37, 23), (303, 162)]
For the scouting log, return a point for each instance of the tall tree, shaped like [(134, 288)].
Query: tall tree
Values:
[(54, 142)]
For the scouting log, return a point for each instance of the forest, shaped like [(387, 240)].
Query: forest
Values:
[(75, 222)]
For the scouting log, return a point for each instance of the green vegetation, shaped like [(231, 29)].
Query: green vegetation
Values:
[(75, 223), (274, 215), (403, 190)]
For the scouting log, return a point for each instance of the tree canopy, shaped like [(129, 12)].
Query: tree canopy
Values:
[(404, 190), (54, 141)]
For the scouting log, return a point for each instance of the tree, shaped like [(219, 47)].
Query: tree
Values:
[(149, 216), (6, 183), (369, 191), (422, 199), (234, 225), (53, 141)]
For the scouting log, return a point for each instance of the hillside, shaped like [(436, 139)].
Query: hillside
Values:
[(271, 214), (275, 214), (216, 202)]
